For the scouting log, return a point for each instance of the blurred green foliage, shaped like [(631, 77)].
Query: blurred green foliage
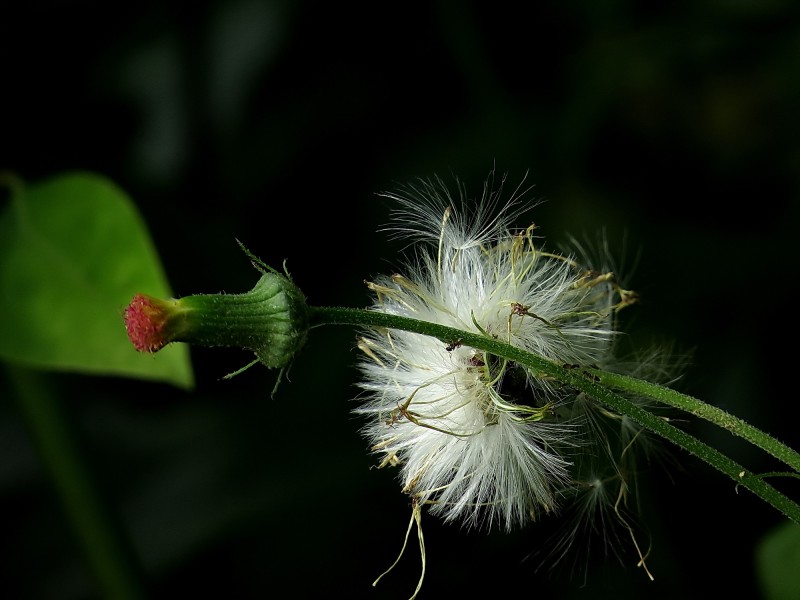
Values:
[(671, 126), (777, 558), (73, 252)]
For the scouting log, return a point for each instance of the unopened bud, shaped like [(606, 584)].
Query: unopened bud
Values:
[(271, 320)]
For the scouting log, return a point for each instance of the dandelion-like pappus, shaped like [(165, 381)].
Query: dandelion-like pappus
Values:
[(481, 440)]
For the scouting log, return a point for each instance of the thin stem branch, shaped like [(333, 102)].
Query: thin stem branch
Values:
[(700, 409), (587, 381), (108, 552)]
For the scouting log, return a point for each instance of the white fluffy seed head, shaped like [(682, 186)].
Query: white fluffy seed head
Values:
[(481, 441)]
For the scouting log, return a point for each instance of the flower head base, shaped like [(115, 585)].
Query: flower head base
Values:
[(481, 440), (271, 320)]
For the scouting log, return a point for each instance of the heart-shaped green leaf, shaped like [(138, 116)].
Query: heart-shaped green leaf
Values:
[(73, 252)]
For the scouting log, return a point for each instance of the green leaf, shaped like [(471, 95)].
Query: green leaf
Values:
[(73, 252), (777, 562)]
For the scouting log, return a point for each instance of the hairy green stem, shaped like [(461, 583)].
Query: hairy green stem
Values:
[(588, 381), (700, 409)]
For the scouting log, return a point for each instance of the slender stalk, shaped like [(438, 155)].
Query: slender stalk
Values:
[(589, 382), (702, 410), (108, 554)]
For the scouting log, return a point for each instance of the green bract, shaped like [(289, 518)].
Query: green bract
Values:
[(271, 319)]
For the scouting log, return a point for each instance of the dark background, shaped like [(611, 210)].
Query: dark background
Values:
[(673, 126)]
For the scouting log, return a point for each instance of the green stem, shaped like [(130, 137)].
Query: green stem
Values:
[(702, 410), (584, 380), (109, 556)]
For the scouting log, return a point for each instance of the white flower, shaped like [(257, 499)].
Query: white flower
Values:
[(478, 440)]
